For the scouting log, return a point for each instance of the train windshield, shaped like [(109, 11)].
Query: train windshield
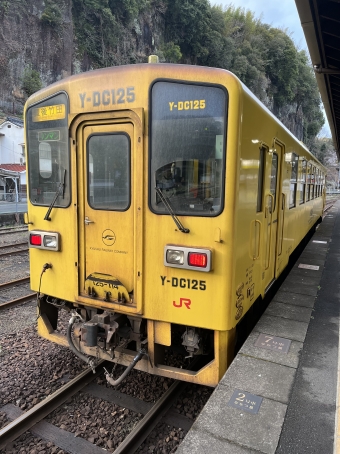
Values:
[(187, 148), (48, 152)]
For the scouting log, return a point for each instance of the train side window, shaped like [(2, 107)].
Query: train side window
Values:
[(273, 178), (260, 179), (312, 187), (108, 171), (309, 171), (302, 181), (316, 189), (293, 180)]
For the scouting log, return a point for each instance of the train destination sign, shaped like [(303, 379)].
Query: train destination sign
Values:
[(49, 113), (278, 344), (245, 401)]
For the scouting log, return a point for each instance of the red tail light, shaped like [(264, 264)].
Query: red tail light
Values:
[(35, 240), (197, 259)]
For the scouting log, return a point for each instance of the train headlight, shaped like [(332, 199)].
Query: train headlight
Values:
[(50, 241), (175, 257), (44, 240), (188, 258)]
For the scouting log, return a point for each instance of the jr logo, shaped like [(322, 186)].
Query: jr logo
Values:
[(182, 301)]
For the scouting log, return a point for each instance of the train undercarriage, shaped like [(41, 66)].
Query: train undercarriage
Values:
[(201, 355)]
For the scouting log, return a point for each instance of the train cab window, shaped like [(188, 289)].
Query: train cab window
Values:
[(45, 159), (187, 166), (48, 152), (302, 180), (294, 161), (108, 171)]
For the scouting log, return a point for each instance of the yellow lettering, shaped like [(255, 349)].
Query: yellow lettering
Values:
[(202, 104), (186, 105), (171, 105), (180, 105)]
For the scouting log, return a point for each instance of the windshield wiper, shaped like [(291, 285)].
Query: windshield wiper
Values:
[(59, 191), (167, 205)]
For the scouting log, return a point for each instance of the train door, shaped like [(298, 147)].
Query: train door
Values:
[(272, 213), (108, 161)]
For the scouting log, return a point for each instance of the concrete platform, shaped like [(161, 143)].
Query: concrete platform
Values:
[(298, 411)]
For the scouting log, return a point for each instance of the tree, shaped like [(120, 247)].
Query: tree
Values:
[(172, 52), (30, 82)]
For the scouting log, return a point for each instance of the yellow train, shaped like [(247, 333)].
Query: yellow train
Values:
[(164, 200)]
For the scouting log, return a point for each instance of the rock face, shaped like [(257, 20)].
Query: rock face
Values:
[(27, 41), (46, 36)]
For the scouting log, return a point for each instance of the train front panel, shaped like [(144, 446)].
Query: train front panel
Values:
[(132, 178)]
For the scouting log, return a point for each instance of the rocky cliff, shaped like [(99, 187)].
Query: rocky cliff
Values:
[(57, 39)]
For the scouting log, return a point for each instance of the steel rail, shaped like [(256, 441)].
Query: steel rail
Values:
[(22, 299), (135, 438), (13, 245), (20, 425), (9, 231), (23, 280), (14, 252)]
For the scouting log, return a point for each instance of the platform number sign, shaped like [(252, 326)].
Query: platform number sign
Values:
[(245, 401)]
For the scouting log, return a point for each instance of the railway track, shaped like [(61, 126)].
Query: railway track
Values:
[(12, 230), (132, 442), (4, 249), (22, 299), (15, 302), (23, 280)]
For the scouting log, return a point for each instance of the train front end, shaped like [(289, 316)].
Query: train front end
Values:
[(131, 216)]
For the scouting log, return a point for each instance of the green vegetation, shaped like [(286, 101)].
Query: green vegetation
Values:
[(195, 32), (172, 52), (51, 15), (30, 82)]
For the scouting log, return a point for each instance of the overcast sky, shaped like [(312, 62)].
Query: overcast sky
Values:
[(280, 14)]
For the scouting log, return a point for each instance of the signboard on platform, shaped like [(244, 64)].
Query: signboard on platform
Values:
[(278, 344), (245, 401)]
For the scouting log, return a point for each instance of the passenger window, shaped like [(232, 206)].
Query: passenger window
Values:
[(302, 181), (309, 172), (293, 180), (312, 188), (260, 179), (273, 178), (108, 171)]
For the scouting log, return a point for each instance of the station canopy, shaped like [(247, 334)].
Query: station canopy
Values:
[(320, 20)]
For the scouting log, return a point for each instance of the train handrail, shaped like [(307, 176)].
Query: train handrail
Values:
[(271, 229), (259, 237)]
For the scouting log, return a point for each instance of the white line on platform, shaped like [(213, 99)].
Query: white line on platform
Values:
[(309, 267)]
